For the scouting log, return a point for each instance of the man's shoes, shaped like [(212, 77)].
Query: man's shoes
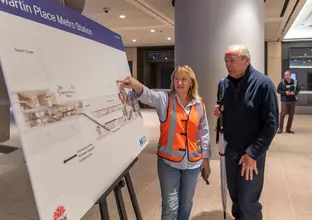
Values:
[(280, 131), (290, 131)]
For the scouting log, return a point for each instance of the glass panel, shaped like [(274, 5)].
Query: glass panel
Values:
[(304, 100), (300, 66), (300, 53)]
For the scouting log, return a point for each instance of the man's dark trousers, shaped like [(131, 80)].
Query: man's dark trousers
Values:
[(245, 194)]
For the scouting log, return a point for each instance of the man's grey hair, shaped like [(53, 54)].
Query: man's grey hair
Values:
[(241, 49)]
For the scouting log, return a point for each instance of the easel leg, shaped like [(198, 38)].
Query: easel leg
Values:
[(134, 200), (118, 184), (104, 209), (119, 200)]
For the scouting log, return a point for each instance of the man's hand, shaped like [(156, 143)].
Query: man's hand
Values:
[(249, 165), (287, 92), (217, 109), (292, 93)]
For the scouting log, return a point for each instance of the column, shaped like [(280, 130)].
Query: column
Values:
[(203, 31), (275, 63)]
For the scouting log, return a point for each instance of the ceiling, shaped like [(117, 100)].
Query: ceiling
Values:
[(301, 28), (142, 16)]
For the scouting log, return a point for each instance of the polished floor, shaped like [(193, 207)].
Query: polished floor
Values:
[(287, 192)]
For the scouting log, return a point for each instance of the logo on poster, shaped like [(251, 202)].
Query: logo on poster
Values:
[(142, 141), (60, 213)]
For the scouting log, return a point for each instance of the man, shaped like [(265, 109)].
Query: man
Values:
[(289, 89), (248, 103)]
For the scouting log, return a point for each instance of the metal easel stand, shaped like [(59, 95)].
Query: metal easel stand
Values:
[(120, 182)]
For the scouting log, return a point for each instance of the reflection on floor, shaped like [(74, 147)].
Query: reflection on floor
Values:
[(287, 193)]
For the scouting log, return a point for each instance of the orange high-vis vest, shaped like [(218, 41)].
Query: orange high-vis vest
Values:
[(179, 132)]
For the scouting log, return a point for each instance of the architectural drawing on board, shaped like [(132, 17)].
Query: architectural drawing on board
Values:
[(109, 113), (131, 106), (40, 108)]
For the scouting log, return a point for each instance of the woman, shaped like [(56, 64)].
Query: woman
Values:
[(183, 148)]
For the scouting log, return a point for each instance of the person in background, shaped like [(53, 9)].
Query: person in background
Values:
[(184, 142), (288, 89), (249, 106)]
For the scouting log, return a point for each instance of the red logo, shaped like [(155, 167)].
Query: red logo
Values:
[(60, 213)]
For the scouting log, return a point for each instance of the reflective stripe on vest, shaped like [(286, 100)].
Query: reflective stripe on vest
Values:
[(294, 85), (172, 146)]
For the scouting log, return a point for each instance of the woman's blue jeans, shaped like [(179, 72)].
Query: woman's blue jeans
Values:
[(177, 190)]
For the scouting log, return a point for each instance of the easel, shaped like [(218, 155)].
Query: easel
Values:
[(116, 187)]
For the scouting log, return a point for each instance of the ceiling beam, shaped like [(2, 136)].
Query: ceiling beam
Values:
[(150, 10), (290, 19), (284, 8)]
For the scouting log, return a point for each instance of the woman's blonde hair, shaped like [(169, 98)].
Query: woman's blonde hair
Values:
[(193, 90)]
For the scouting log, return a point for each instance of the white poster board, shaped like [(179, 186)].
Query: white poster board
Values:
[(78, 130)]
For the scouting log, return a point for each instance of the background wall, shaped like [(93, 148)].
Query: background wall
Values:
[(132, 56)]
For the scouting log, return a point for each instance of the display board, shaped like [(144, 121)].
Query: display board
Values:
[(79, 130)]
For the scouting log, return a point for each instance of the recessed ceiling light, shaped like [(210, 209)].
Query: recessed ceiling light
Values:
[(134, 40), (122, 16), (169, 38), (153, 31)]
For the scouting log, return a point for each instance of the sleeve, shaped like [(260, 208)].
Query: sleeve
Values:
[(204, 135), (156, 99), (269, 117), (281, 89)]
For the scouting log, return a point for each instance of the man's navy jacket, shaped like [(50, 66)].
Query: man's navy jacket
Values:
[(251, 114)]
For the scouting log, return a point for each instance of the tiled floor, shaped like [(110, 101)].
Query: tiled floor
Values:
[(287, 192)]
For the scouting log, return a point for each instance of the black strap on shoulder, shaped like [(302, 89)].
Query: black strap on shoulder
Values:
[(220, 102), (221, 90)]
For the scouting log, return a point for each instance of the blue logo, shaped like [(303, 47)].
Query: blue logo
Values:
[(142, 141)]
